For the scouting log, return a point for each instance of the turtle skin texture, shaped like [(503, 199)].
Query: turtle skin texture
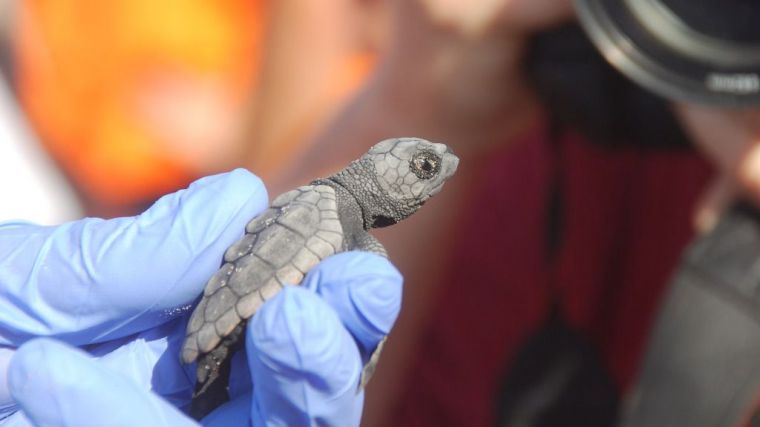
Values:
[(300, 228)]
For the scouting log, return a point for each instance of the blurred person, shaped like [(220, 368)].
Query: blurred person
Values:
[(33, 188), (536, 278), (316, 55), (135, 99)]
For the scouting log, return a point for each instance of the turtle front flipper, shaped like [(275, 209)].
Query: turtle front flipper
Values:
[(364, 241), (369, 368), (369, 243)]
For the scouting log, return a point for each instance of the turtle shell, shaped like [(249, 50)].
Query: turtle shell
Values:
[(280, 246)]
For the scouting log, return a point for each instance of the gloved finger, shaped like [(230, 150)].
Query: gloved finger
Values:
[(58, 385), (149, 359), (364, 289), (304, 364), (94, 280), (7, 405), (368, 313)]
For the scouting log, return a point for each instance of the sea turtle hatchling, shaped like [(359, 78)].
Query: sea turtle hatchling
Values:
[(301, 228)]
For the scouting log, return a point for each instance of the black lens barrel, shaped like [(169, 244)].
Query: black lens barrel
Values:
[(702, 51)]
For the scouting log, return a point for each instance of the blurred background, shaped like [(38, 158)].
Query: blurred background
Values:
[(532, 281), (133, 100)]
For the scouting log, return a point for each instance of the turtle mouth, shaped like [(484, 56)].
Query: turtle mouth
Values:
[(435, 190)]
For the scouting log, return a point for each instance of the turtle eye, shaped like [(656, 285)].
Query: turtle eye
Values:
[(425, 164)]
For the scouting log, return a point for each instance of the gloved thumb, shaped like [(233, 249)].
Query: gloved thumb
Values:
[(58, 385)]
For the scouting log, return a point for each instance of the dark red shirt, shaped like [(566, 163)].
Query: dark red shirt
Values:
[(624, 215)]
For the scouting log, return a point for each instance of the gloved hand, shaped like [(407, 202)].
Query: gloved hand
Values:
[(120, 290)]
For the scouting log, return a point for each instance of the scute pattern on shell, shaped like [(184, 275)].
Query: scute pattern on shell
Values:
[(280, 246)]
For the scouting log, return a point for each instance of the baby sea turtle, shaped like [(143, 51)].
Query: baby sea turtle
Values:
[(301, 228)]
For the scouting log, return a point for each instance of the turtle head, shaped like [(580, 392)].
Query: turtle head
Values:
[(408, 171)]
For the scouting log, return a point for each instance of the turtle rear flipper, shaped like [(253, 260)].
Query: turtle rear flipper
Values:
[(212, 385)]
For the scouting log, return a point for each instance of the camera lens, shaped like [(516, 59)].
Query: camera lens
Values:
[(703, 51), (731, 20)]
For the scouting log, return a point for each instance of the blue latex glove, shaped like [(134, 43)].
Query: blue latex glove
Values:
[(113, 299)]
